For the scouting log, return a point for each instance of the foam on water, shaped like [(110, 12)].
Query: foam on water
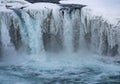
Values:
[(58, 69)]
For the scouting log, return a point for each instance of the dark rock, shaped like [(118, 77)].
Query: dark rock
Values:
[(51, 1), (73, 6)]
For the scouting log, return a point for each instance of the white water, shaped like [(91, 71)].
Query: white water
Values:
[(34, 33), (32, 64), (7, 46), (68, 32)]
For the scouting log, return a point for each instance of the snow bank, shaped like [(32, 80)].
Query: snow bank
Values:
[(42, 6), (13, 3)]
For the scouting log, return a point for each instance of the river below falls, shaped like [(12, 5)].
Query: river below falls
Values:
[(60, 69)]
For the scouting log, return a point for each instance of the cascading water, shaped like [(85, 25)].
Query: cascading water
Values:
[(102, 34), (63, 27), (68, 32), (6, 45), (31, 33), (69, 37)]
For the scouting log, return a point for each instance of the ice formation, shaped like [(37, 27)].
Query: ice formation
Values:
[(47, 27)]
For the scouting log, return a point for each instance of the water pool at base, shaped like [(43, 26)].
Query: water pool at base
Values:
[(56, 69)]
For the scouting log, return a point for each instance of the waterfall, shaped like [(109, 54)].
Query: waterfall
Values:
[(68, 32), (45, 27), (102, 34), (6, 45)]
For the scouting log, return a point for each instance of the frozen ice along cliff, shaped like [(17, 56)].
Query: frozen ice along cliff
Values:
[(47, 27)]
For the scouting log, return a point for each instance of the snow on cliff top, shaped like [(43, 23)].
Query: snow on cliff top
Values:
[(25, 4), (109, 9), (12, 4), (43, 5)]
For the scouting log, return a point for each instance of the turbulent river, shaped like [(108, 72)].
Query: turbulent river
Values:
[(60, 69), (45, 43)]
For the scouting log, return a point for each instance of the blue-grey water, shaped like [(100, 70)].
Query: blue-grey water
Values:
[(56, 69)]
